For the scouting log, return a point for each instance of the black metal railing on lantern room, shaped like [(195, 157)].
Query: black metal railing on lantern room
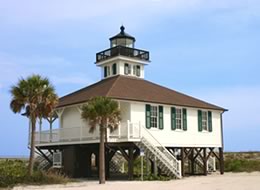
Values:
[(124, 51)]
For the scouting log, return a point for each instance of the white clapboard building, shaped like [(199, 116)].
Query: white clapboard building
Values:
[(178, 133)]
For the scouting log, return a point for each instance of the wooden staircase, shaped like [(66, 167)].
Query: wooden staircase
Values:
[(43, 164), (153, 149)]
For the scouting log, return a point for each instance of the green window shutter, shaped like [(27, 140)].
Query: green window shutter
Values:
[(173, 118), (114, 69), (184, 119), (160, 117), (148, 116), (105, 71), (199, 120), (210, 121)]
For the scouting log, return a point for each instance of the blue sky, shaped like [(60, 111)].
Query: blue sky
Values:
[(205, 48)]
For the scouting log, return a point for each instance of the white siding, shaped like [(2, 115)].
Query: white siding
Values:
[(71, 118), (179, 138), (135, 112), (125, 111), (121, 68)]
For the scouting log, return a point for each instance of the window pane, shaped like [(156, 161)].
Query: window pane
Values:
[(154, 116), (126, 68), (129, 69), (114, 67), (134, 70), (138, 73), (108, 70), (204, 120), (178, 118)]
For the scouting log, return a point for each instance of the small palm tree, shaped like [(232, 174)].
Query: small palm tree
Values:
[(103, 112), (36, 96)]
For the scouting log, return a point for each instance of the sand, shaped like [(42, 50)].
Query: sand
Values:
[(228, 181)]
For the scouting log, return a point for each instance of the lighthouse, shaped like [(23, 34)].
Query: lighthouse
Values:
[(122, 58)]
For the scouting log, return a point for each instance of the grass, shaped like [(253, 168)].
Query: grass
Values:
[(242, 161), (14, 172)]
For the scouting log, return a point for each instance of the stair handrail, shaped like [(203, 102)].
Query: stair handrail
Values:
[(169, 155), (165, 149)]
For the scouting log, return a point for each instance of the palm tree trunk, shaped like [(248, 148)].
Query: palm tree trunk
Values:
[(102, 174), (32, 149)]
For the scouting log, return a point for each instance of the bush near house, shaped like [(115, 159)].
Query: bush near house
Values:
[(13, 172)]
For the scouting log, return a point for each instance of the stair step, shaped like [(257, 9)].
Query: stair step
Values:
[(164, 158)]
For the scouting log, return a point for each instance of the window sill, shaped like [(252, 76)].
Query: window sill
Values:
[(204, 131), (155, 129), (179, 130)]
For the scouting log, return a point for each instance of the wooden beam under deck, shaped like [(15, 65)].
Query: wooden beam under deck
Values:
[(189, 156), (130, 152)]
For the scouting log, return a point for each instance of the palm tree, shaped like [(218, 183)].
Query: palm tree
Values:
[(103, 112), (36, 96)]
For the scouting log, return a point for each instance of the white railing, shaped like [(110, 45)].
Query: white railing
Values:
[(125, 132), (160, 149)]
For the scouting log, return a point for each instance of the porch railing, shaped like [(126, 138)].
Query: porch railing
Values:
[(125, 132), (121, 50)]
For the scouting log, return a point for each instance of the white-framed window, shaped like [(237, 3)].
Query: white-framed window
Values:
[(108, 71), (137, 70), (127, 69), (114, 69), (204, 120), (134, 70), (178, 118), (154, 116)]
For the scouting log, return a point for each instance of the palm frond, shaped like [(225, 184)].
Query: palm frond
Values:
[(101, 111), (35, 94)]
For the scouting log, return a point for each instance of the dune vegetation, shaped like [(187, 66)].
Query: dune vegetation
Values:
[(14, 172), (242, 161)]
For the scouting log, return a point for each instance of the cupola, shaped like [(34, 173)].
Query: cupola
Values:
[(122, 58)]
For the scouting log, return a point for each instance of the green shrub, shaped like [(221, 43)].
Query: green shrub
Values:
[(242, 165), (13, 172)]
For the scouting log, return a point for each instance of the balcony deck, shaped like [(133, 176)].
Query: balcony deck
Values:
[(121, 50), (126, 132)]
